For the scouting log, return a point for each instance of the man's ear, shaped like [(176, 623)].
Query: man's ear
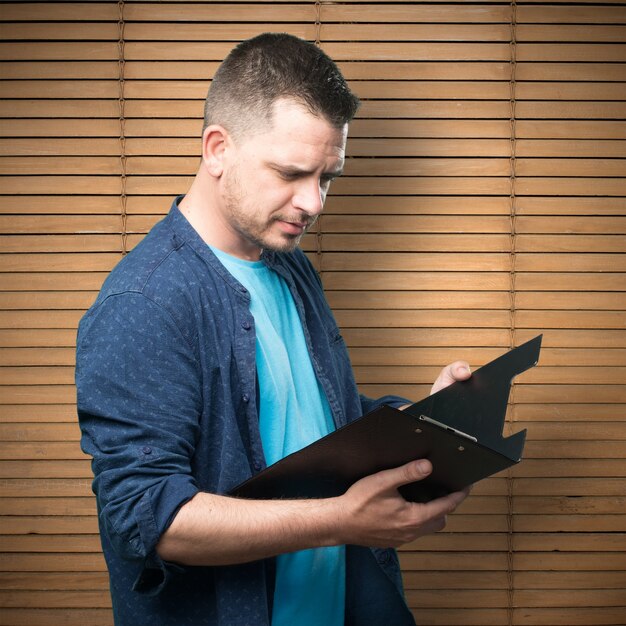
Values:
[(215, 140)]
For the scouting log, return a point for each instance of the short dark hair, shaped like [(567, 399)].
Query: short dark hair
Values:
[(270, 66)]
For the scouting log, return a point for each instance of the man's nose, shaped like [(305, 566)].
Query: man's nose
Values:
[(309, 197)]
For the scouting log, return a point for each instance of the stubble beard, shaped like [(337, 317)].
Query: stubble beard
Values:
[(250, 225)]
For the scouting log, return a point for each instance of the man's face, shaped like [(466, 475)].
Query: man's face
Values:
[(274, 183)]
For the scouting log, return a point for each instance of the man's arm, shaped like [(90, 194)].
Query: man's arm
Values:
[(219, 530)]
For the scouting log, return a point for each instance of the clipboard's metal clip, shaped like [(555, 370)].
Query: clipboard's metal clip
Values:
[(430, 420)]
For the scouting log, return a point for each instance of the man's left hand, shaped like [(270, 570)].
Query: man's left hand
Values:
[(459, 370)]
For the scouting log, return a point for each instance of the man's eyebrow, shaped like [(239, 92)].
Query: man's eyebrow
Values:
[(294, 169)]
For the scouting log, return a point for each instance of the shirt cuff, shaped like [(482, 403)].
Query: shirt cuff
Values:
[(156, 511)]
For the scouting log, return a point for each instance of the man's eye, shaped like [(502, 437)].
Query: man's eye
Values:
[(289, 175)]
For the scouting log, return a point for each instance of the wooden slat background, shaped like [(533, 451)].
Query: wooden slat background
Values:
[(436, 245)]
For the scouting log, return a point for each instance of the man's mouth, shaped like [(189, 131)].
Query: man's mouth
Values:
[(293, 228)]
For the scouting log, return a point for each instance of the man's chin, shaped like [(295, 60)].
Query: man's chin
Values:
[(282, 244), (284, 249), (275, 239)]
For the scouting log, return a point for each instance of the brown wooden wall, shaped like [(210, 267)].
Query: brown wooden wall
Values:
[(483, 203)]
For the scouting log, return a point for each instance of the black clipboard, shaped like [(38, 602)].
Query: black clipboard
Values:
[(459, 429)]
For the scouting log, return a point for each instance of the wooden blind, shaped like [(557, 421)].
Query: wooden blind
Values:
[(483, 203)]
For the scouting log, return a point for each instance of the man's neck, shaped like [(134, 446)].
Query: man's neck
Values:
[(198, 207)]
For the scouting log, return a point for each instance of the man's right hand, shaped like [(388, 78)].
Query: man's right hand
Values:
[(375, 514), (220, 530)]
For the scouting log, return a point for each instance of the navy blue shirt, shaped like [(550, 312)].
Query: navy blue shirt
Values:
[(167, 404)]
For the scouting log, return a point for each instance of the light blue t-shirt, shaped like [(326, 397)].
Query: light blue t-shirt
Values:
[(293, 412)]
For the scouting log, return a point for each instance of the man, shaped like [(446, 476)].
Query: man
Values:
[(211, 352)]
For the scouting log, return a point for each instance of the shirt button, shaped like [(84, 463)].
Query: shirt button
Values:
[(246, 325), (257, 465), (146, 450), (245, 398), (383, 558)]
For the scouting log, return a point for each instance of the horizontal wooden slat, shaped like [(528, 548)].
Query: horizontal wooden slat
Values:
[(53, 11), (543, 375), (64, 243), (105, 89), (54, 70), (328, 32), (81, 262), (464, 243), (39, 338), (570, 33), (51, 543), (79, 204), (219, 12), (574, 15), (39, 432), (478, 562), (38, 394), (480, 356), (574, 72), (40, 319), (46, 281), (60, 31), (96, 50), (55, 127), (51, 300), (20, 147), (355, 31), (488, 598), (47, 412), (59, 108), (49, 506), (484, 337), (340, 51), (542, 52), (460, 205), (55, 599), (25, 525), (53, 580), (45, 469), (522, 580), (69, 617), (530, 394), (496, 262)]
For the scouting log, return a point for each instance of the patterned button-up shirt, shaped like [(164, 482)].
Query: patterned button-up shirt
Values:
[(167, 403)]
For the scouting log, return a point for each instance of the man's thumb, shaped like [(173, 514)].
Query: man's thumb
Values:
[(410, 472)]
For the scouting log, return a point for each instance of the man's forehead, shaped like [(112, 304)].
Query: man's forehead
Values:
[(287, 107)]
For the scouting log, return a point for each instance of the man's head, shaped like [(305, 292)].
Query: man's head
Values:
[(275, 133), (274, 66)]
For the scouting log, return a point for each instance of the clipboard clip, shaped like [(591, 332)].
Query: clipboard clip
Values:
[(430, 420)]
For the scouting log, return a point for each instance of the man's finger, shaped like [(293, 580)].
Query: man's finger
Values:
[(459, 370), (446, 504), (405, 474)]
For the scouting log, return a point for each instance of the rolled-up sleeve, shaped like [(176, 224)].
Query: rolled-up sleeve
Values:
[(139, 405)]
